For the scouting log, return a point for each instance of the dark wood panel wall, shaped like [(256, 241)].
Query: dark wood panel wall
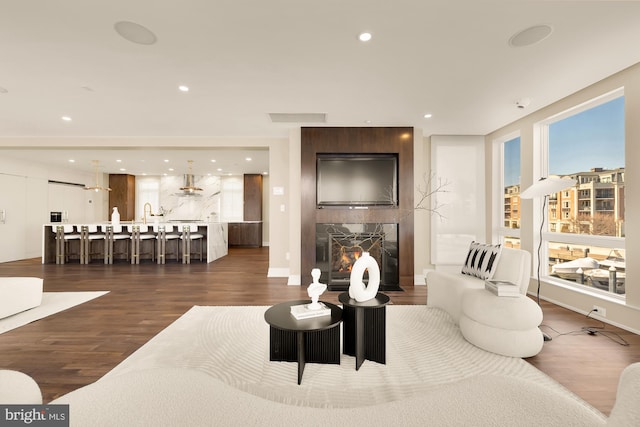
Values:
[(123, 195), (396, 140)]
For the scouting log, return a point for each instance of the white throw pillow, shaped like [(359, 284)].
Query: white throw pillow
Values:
[(482, 260)]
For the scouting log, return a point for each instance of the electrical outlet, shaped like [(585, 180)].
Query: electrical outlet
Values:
[(600, 311)]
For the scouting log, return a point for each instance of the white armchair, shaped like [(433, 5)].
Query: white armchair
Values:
[(18, 294)]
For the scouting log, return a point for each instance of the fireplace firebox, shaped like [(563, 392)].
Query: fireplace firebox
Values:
[(338, 247)]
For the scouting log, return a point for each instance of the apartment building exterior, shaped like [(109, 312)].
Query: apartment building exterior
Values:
[(594, 205)]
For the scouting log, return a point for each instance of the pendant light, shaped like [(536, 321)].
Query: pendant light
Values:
[(96, 187)]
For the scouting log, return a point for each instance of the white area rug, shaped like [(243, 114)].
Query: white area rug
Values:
[(424, 351), (52, 302)]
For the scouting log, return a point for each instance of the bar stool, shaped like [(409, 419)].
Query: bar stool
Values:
[(188, 237), (164, 233), (114, 234), (64, 234), (140, 233), (88, 235)]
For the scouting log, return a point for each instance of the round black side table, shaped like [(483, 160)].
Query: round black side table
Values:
[(364, 328), (313, 340)]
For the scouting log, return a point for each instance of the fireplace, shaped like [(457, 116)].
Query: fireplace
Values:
[(338, 247)]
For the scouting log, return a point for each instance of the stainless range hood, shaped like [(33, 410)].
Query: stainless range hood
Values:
[(189, 185), (189, 188)]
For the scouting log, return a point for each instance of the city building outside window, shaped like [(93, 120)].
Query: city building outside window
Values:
[(587, 144)]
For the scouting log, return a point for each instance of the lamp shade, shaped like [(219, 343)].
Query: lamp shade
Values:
[(547, 186)]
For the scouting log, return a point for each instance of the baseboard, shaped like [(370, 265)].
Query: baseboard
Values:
[(278, 272), (577, 310), (419, 280), (294, 280)]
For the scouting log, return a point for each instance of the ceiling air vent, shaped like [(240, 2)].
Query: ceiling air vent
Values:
[(298, 117)]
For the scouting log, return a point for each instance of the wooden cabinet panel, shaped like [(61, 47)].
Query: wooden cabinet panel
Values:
[(252, 197), (123, 195), (245, 234)]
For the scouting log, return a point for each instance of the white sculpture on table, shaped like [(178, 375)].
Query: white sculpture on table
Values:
[(357, 289), (315, 289)]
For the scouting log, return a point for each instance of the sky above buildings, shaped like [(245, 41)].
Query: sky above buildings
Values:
[(590, 139)]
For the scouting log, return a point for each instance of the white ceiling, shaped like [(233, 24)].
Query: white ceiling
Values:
[(244, 59), (214, 161)]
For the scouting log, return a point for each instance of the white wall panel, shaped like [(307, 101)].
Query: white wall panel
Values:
[(13, 201), (457, 161)]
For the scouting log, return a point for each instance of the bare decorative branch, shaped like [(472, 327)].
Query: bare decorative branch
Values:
[(429, 190)]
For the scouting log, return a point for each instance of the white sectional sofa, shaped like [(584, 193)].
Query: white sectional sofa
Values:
[(445, 289), (502, 325), (18, 294), (171, 397)]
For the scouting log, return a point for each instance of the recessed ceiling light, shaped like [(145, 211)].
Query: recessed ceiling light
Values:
[(531, 35), (118, 161), (135, 33), (164, 174), (122, 169), (364, 37), (367, 122), (428, 116), (66, 118), (183, 88), (265, 173), (144, 174), (219, 169), (171, 169), (166, 160), (213, 160), (248, 159), (72, 161)]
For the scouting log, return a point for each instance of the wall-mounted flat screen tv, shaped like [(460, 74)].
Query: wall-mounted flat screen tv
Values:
[(357, 180)]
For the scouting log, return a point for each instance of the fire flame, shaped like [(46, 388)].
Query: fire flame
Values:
[(348, 259)]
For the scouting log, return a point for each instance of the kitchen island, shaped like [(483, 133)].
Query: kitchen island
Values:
[(215, 243)]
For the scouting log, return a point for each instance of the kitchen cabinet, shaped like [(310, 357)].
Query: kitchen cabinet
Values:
[(123, 195), (252, 197), (246, 233)]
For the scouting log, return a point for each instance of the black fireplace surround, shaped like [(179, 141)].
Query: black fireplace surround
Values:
[(338, 246)]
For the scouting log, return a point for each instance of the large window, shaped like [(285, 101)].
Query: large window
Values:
[(232, 199), (508, 200), (584, 235)]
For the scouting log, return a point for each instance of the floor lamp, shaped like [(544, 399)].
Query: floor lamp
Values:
[(543, 188)]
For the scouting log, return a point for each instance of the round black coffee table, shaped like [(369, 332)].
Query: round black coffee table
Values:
[(313, 340)]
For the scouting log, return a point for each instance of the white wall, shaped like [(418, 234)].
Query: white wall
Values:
[(625, 314), (27, 197), (422, 223)]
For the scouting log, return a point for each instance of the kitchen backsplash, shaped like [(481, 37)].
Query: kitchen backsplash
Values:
[(203, 206)]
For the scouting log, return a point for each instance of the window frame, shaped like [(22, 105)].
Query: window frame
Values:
[(499, 230), (541, 169)]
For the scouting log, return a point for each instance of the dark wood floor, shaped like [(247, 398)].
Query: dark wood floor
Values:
[(76, 347)]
